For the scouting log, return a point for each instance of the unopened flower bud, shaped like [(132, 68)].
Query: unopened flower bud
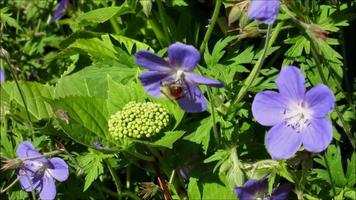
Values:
[(138, 120)]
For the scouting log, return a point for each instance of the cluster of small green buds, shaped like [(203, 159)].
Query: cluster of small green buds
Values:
[(138, 120)]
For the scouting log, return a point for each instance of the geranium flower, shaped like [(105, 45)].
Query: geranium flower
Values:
[(63, 4), (257, 189), (264, 10), (297, 117), (38, 172), (175, 72)]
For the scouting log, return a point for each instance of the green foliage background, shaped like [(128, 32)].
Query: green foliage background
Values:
[(65, 79)]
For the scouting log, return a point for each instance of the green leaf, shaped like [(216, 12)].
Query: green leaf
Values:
[(82, 118), (193, 189), (210, 187), (96, 48), (202, 134), (130, 43), (34, 94), (146, 6), (218, 51), (101, 15), (119, 94), (351, 171), (92, 80), (6, 18), (169, 138), (282, 170), (333, 157), (93, 166)]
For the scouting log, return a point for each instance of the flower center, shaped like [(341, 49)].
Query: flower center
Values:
[(179, 74), (298, 115)]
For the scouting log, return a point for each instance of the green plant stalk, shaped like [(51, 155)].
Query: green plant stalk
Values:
[(201, 51), (329, 174), (11, 67), (162, 16), (208, 33), (11, 184), (256, 69), (116, 180)]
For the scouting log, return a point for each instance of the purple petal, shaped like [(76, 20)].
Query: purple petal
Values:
[(318, 135), (268, 108), (251, 189), (60, 171), (182, 55), (202, 80), (26, 150), (290, 82), (151, 61), (281, 193), (321, 100), (48, 188), (151, 81), (283, 141), (2, 76), (264, 10), (61, 8), (194, 101), (25, 178)]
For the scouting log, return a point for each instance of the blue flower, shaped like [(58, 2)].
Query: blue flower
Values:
[(174, 77), (297, 117), (63, 4), (38, 172), (257, 189), (264, 10)]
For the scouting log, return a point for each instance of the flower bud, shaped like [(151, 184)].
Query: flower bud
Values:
[(138, 120)]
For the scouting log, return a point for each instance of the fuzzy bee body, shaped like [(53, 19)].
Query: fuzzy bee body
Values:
[(173, 90)]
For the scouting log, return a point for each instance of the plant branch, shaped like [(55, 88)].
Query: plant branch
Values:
[(208, 33), (116, 180)]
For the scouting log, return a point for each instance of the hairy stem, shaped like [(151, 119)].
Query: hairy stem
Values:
[(256, 69)]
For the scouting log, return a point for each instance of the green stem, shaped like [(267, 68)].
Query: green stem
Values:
[(256, 69), (9, 186), (11, 68), (116, 180), (213, 117), (201, 50), (329, 174), (163, 17), (211, 26)]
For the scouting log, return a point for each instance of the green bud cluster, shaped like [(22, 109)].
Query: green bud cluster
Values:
[(138, 120)]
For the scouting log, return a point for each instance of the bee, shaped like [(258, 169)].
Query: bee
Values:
[(173, 90)]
